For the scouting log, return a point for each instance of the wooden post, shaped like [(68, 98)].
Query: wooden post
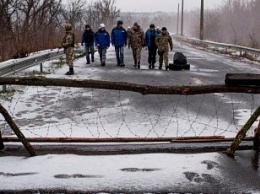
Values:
[(1, 142), (242, 133), (182, 17), (41, 68), (17, 131), (178, 18), (257, 137)]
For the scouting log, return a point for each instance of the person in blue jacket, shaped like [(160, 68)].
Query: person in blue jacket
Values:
[(88, 41), (102, 42), (119, 40), (150, 37)]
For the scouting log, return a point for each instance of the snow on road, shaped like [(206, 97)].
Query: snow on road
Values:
[(75, 112), (150, 172)]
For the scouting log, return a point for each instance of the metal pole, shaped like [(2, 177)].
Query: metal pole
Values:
[(182, 17), (202, 20), (178, 18)]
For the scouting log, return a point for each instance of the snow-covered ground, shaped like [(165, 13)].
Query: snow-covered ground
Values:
[(76, 112)]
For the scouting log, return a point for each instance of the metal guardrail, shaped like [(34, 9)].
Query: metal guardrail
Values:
[(25, 63), (222, 45)]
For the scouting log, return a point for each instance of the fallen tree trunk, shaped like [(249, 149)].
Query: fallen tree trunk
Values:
[(143, 89), (242, 133), (17, 131)]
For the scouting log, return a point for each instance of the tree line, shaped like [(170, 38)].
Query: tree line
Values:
[(235, 22), (27, 25)]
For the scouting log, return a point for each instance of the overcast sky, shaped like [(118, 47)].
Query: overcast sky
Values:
[(162, 5)]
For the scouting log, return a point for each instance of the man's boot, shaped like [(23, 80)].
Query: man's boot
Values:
[(88, 60), (160, 66), (138, 64), (135, 61), (70, 72), (150, 66), (92, 59)]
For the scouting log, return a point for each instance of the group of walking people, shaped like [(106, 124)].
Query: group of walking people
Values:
[(154, 40)]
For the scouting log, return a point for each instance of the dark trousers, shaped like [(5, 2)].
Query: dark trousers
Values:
[(102, 54), (120, 55), (152, 55), (89, 51)]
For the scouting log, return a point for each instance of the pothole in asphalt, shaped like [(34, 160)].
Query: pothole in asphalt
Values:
[(210, 164), (195, 177), (67, 176), (140, 169), (16, 174)]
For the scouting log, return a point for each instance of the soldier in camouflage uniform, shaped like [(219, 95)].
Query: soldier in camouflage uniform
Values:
[(68, 45), (136, 42), (163, 40)]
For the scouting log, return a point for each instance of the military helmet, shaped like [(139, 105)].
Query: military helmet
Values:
[(68, 27)]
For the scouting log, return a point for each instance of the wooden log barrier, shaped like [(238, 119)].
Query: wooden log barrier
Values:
[(17, 131), (242, 133), (124, 86)]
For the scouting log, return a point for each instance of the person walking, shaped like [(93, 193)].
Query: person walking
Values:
[(68, 45), (119, 40), (136, 42), (88, 41), (150, 37), (102, 42), (163, 40)]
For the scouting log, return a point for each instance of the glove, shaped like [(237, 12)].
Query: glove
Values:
[(171, 48)]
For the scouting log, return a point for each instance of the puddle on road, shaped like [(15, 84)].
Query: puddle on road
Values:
[(140, 169), (66, 176)]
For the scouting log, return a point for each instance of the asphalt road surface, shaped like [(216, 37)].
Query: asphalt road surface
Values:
[(125, 114)]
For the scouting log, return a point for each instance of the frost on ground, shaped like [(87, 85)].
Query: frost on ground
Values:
[(151, 172), (77, 112)]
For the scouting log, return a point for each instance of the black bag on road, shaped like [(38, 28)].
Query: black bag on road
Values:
[(179, 58)]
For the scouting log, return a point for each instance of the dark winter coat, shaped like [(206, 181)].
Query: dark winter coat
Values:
[(150, 37), (102, 39), (88, 38), (119, 37)]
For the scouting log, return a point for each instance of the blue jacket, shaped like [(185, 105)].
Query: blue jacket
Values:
[(88, 38), (149, 40), (119, 37), (102, 39)]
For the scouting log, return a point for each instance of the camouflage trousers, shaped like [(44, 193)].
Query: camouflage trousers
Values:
[(137, 54), (163, 56), (69, 56)]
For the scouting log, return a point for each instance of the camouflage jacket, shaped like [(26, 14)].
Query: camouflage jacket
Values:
[(136, 38), (68, 42), (163, 42)]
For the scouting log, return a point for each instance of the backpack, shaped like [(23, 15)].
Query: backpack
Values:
[(179, 58)]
